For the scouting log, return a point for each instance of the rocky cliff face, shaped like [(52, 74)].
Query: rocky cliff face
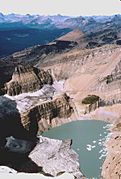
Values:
[(48, 107), (93, 71), (30, 56), (112, 165), (47, 114), (110, 82), (27, 79), (10, 122)]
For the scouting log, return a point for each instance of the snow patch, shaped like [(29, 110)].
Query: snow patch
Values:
[(27, 100)]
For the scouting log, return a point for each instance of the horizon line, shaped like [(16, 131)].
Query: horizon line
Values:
[(33, 14)]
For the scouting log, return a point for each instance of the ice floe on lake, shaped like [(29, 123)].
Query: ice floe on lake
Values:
[(90, 147), (94, 141)]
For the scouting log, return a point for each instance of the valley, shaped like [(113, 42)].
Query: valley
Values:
[(67, 88), (16, 39)]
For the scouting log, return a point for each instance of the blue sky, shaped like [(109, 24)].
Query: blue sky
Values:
[(65, 7)]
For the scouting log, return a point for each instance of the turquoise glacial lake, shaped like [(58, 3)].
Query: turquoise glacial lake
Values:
[(88, 138)]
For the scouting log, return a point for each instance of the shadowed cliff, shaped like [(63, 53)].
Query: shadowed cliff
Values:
[(10, 122)]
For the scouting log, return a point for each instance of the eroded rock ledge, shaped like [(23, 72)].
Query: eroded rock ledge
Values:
[(27, 79), (47, 114)]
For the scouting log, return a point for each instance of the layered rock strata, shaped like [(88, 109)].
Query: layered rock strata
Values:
[(93, 71), (26, 79), (47, 114)]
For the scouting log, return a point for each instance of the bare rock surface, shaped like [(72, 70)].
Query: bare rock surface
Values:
[(46, 108), (89, 72), (57, 156), (112, 165), (109, 113), (93, 71), (45, 112), (26, 79), (50, 157), (18, 145)]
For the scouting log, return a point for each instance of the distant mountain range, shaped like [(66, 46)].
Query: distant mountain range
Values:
[(21, 31), (35, 21), (57, 21)]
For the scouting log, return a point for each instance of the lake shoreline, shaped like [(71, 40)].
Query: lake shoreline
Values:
[(86, 144)]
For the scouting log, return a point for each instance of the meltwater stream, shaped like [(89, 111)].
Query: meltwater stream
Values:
[(88, 138)]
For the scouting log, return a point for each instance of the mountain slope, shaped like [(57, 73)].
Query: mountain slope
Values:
[(19, 38), (74, 35), (88, 71)]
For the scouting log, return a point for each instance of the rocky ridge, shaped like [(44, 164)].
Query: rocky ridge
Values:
[(30, 56), (93, 69), (38, 52)]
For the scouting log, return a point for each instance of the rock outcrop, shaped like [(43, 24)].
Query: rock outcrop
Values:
[(109, 113), (27, 79), (46, 108), (57, 157), (30, 56), (47, 114), (49, 157), (112, 165)]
